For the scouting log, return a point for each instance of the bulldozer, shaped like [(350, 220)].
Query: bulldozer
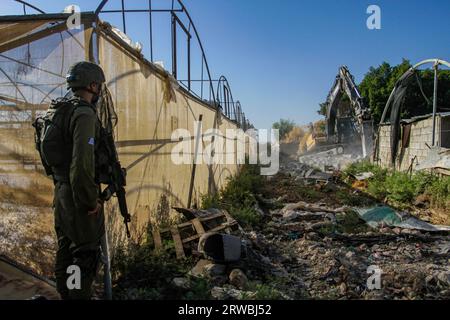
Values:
[(348, 124)]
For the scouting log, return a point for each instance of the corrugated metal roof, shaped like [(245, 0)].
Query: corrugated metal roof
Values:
[(419, 118)]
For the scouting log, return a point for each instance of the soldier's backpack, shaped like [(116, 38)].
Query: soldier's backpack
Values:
[(52, 135)]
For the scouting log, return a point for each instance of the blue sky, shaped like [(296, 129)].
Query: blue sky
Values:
[(281, 57)]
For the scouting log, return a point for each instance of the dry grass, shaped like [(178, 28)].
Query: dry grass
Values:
[(26, 220)]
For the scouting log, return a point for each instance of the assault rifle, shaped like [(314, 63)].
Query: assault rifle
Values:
[(115, 177)]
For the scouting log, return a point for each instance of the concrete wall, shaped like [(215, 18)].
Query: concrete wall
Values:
[(421, 135)]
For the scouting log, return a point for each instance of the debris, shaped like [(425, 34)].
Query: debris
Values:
[(438, 159), (181, 283), (306, 207), (199, 269), (187, 234), (238, 279), (219, 293), (221, 248), (364, 176), (444, 278), (383, 215), (214, 270)]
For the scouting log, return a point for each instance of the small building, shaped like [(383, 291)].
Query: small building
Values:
[(415, 143)]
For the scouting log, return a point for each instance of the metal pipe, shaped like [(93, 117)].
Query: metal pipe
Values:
[(189, 61), (151, 28), (100, 7), (201, 47), (141, 10), (174, 46), (107, 267), (435, 96), (123, 17), (201, 90), (30, 5), (194, 165)]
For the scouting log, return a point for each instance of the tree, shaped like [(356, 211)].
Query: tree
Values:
[(322, 109), (376, 87), (284, 126), (379, 82)]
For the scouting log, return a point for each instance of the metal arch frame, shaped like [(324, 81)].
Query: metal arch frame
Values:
[(46, 95), (239, 113), (230, 105), (436, 63), (26, 4), (175, 21), (225, 96)]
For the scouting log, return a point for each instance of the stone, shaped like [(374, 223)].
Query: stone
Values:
[(343, 288), (238, 279), (181, 283), (199, 269), (363, 247), (312, 236), (444, 278), (223, 293)]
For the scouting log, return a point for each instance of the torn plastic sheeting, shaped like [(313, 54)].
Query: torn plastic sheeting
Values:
[(378, 216)]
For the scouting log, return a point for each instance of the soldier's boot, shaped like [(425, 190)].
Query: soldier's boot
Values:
[(63, 260), (88, 262)]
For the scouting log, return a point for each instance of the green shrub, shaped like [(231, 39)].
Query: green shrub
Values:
[(360, 167), (439, 191), (211, 201), (140, 273), (246, 216), (308, 192), (353, 200), (238, 197), (263, 291), (200, 290), (400, 187), (377, 188)]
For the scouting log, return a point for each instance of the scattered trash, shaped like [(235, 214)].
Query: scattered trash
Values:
[(187, 235), (382, 215), (181, 283), (364, 176), (221, 248), (213, 270), (219, 293)]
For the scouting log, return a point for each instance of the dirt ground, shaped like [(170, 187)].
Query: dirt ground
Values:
[(331, 254), (26, 221)]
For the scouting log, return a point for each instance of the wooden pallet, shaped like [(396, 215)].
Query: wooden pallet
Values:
[(187, 233)]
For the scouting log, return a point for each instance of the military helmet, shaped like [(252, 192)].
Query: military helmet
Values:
[(83, 73)]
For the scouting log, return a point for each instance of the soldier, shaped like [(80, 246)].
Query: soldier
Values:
[(79, 218)]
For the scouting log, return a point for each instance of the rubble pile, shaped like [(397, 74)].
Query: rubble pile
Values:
[(323, 250), (335, 158)]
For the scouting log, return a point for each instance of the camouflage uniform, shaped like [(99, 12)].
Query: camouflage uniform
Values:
[(76, 193)]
